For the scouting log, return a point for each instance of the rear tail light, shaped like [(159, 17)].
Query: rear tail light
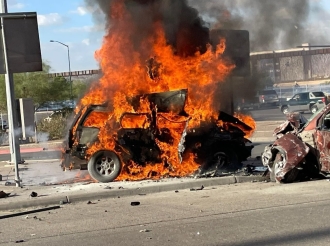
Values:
[(263, 98), (323, 99)]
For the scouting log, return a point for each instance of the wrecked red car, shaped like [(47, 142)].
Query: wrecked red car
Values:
[(301, 150), (128, 148)]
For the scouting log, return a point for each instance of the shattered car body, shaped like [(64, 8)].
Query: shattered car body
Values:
[(214, 147), (302, 148)]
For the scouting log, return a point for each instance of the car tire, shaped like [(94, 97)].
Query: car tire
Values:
[(314, 109), (285, 109), (223, 161), (104, 166), (219, 159), (290, 177), (229, 158), (278, 157)]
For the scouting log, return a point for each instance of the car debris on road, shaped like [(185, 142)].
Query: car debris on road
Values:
[(4, 194), (196, 189), (33, 194), (135, 203)]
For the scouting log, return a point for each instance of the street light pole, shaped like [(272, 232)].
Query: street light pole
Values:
[(70, 81), (11, 104)]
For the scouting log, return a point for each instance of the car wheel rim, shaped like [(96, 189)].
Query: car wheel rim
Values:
[(220, 160), (105, 165), (278, 165)]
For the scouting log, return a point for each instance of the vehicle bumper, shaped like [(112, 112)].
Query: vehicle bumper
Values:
[(271, 102), (71, 162)]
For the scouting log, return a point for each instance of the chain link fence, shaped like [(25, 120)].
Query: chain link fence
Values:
[(287, 92)]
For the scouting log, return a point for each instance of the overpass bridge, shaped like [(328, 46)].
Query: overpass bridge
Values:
[(83, 74)]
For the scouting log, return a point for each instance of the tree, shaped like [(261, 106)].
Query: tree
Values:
[(79, 88), (40, 87)]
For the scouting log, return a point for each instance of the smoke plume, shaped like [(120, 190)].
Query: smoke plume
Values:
[(272, 24), (184, 29)]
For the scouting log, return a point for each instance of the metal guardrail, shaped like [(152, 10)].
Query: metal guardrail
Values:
[(290, 91)]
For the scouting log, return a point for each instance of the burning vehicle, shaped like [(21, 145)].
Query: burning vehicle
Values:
[(159, 140), (158, 109), (301, 150)]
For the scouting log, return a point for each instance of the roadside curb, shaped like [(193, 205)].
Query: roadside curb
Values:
[(262, 139), (73, 198)]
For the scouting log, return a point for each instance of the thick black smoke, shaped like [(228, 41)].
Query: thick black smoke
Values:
[(272, 24), (184, 29)]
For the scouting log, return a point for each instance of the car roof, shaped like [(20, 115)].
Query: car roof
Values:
[(307, 92), (302, 93), (267, 91)]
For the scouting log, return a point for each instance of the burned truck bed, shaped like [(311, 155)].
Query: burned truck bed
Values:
[(160, 139)]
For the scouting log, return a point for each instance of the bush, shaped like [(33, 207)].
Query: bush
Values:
[(55, 128)]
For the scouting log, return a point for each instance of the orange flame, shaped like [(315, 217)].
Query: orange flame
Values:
[(125, 75)]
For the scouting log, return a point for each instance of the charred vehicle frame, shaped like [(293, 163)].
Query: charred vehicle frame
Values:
[(214, 147)]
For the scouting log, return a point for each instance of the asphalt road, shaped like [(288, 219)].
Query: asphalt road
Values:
[(41, 155), (270, 114), (241, 214)]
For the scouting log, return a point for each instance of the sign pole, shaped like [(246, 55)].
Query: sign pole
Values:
[(12, 114)]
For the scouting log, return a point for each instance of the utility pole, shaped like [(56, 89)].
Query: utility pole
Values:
[(12, 114), (69, 63)]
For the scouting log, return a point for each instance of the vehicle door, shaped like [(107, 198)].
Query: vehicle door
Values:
[(137, 136), (295, 103), (317, 97), (322, 141), (304, 102)]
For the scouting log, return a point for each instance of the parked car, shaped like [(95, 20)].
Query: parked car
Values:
[(245, 104), (69, 103), (262, 99), (268, 98), (55, 106), (49, 106), (305, 102), (301, 150), (64, 113)]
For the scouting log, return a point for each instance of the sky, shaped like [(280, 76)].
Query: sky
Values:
[(70, 22), (66, 21)]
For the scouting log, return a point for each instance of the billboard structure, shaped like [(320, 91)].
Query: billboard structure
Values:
[(22, 43), (19, 52)]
